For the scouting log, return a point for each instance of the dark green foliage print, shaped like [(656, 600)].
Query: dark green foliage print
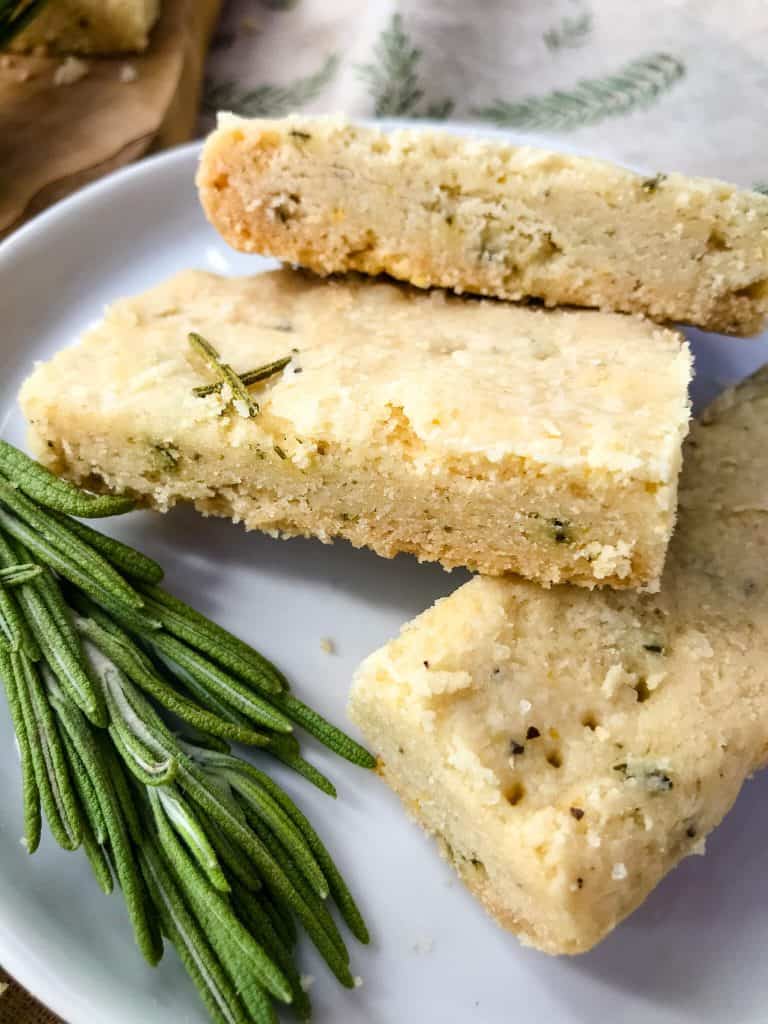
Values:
[(636, 86), (393, 77)]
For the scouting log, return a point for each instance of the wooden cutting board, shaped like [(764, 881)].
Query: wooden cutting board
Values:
[(56, 138)]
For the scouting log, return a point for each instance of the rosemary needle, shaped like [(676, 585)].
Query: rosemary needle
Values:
[(230, 690), (54, 493), (129, 618), (122, 556), (217, 635), (226, 375), (15, 575), (133, 736), (51, 769), (284, 752), (86, 791), (119, 777), (233, 943), (98, 860), (228, 855), (30, 788), (48, 589), (319, 727), (10, 622), (215, 988), (129, 658), (249, 378), (184, 822), (139, 763)]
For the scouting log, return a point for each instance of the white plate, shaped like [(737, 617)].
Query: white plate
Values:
[(693, 953)]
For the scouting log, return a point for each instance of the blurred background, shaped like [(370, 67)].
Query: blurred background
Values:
[(87, 86)]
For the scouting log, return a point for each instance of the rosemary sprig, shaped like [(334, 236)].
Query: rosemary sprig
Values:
[(241, 400), (226, 687), (207, 849), (249, 378)]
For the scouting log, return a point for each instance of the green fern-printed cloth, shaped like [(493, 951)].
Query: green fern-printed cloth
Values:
[(662, 84), (634, 87), (570, 31), (394, 84), (269, 100)]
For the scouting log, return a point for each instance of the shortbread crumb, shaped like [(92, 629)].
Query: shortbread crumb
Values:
[(71, 70)]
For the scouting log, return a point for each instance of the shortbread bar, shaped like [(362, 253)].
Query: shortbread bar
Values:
[(567, 749), (465, 431), (91, 26), (487, 217)]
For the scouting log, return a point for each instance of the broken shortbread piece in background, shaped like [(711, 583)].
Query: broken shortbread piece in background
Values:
[(90, 26)]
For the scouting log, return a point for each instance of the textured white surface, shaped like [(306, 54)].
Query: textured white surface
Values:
[(692, 955)]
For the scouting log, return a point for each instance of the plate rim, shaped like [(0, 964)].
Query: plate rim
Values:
[(46, 219)]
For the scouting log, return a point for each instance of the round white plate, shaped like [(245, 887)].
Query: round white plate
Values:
[(693, 953)]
